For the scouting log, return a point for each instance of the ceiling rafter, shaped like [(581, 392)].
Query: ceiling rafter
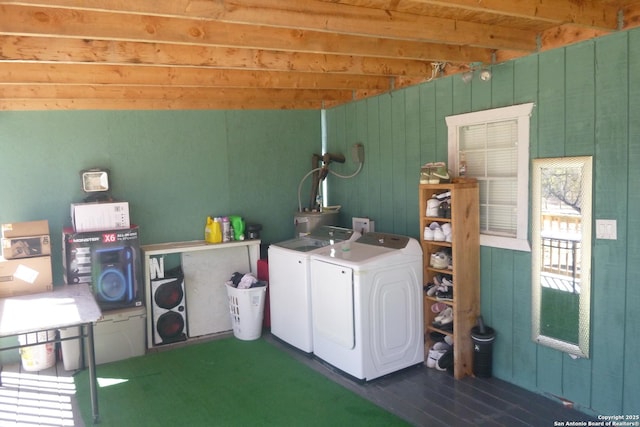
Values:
[(71, 54)]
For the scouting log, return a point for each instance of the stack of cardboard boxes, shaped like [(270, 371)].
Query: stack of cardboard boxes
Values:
[(25, 265), (25, 268), (102, 249)]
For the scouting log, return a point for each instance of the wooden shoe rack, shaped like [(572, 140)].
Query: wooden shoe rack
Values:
[(465, 268)]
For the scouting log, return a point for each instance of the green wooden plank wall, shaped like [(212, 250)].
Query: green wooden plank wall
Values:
[(587, 100), (173, 167)]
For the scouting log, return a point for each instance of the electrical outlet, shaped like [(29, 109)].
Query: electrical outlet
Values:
[(606, 229), (363, 225)]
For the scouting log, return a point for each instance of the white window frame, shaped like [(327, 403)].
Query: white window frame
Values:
[(522, 114)]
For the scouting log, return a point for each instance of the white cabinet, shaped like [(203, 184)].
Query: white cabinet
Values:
[(206, 268)]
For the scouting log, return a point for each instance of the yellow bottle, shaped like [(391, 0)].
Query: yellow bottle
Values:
[(212, 231)]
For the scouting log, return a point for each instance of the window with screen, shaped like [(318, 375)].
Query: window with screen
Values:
[(493, 147)]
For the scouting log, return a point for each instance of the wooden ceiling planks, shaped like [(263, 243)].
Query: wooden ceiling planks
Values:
[(242, 54)]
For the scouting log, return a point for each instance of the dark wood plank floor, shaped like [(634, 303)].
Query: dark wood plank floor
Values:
[(420, 395), (428, 397)]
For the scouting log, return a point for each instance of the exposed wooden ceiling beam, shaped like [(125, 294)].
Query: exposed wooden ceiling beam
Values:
[(53, 91), (16, 104), (350, 35), (591, 13), (78, 50), (42, 73), (175, 54)]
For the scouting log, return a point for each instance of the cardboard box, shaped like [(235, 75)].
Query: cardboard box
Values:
[(25, 247), (118, 335), (109, 261), (25, 229), (100, 216), (25, 276)]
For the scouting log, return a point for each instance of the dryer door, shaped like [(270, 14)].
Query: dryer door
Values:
[(332, 303)]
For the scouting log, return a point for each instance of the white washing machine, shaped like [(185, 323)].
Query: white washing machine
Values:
[(290, 285), (367, 305)]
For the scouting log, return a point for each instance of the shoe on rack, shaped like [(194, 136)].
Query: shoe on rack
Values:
[(440, 260), (446, 228), (428, 234), (433, 357), (444, 321), (441, 345), (431, 289), (444, 293), (433, 260), (443, 196), (438, 307), (442, 210), (448, 312), (446, 281), (448, 327), (432, 207), (438, 336), (445, 362)]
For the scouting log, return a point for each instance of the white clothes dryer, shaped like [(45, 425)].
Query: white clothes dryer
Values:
[(290, 285), (367, 305)]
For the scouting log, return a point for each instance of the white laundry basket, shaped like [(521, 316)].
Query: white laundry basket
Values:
[(38, 357), (246, 308)]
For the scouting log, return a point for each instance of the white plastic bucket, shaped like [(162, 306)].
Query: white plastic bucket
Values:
[(38, 357), (246, 308)]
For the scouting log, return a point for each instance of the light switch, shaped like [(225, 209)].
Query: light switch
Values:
[(606, 229)]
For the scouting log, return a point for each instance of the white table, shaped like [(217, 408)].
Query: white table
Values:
[(65, 307)]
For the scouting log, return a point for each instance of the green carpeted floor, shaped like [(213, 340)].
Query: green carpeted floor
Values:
[(227, 382)]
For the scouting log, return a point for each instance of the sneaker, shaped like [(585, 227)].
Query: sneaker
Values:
[(439, 336), (440, 260), (438, 235), (431, 289), (441, 172), (434, 173), (445, 362), (445, 281), (438, 307), (441, 345), (434, 355), (448, 327), (448, 312), (443, 196), (442, 210), (444, 321), (446, 228), (428, 234), (444, 293), (432, 207), (433, 260)]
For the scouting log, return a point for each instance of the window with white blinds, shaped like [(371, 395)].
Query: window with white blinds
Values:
[(493, 146)]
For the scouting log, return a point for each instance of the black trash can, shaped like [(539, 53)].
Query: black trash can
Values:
[(483, 338)]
